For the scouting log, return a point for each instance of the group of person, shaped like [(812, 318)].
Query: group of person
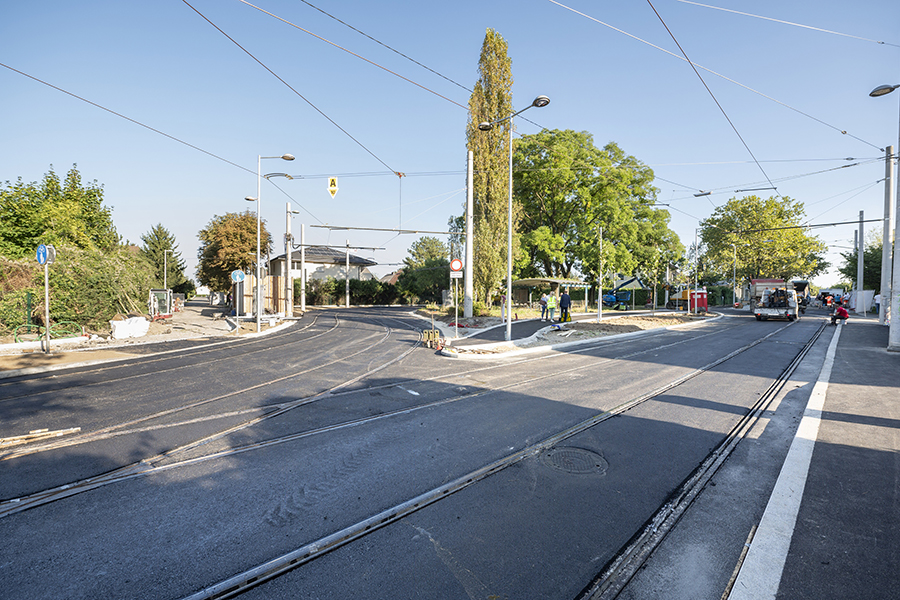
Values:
[(549, 303)]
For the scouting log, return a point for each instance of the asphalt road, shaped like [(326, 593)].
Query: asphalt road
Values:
[(382, 469)]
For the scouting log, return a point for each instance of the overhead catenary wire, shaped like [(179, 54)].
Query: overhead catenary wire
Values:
[(713, 96), (153, 129), (708, 70), (290, 87), (409, 58), (373, 63), (745, 14)]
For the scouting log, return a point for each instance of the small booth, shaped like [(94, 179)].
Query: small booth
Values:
[(699, 301), (159, 304)]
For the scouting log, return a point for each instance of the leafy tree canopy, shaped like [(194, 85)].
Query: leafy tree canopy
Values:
[(54, 212), (228, 242), (767, 241), (567, 189), (871, 264)]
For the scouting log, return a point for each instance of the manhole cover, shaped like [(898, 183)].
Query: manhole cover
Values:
[(575, 460)]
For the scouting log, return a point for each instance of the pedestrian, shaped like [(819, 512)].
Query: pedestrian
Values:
[(543, 303), (878, 303), (565, 302), (839, 313), (551, 305)]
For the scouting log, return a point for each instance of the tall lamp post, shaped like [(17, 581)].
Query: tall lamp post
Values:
[(251, 199), (166, 268), (894, 334), (734, 277), (539, 102)]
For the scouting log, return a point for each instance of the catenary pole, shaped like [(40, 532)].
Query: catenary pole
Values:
[(887, 235), (860, 252), (468, 281), (302, 269)]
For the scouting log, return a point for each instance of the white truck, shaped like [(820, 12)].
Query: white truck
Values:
[(777, 303)]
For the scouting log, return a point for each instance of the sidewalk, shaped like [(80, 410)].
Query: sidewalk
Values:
[(845, 539), (198, 323), (831, 525)]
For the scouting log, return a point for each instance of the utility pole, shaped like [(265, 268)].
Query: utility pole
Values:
[(302, 269), (347, 281), (288, 280), (887, 236), (600, 281), (468, 286), (860, 251)]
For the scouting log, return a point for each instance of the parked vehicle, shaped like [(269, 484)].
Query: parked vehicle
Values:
[(777, 303)]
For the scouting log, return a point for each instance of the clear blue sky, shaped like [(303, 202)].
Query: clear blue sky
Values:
[(161, 64)]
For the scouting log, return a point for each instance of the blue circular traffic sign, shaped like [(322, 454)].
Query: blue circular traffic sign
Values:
[(237, 276), (42, 254)]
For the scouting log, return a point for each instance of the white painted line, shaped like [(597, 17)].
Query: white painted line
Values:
[(761, 572)]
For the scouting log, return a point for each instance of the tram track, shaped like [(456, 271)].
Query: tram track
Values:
[(319, 547), (119, 428), (146, 466), (166, 355), (679, 501)]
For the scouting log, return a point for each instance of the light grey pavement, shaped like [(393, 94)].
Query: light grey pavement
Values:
[(841, 539)]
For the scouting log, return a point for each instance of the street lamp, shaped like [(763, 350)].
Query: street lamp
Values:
[(251, 199), (734, 277), (166, 268), (539, 102), (894, 333)]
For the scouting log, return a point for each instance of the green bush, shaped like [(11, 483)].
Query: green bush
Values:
[(87, 286)]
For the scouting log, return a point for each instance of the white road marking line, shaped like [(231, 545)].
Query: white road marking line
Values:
[(761, 572)]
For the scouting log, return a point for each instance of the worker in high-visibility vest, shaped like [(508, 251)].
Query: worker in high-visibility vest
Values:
[(551, 305)]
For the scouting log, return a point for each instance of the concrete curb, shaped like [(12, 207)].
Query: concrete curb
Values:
[(519, 351)]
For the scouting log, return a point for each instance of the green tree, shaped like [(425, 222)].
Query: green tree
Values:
[(424, 249), (228, 242), (490, 100), (568, 188), (426, 281), (871, 264), (54, 212), (767, 237), (160, 250)]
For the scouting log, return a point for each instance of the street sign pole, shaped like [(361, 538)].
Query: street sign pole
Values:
[(456, 306), (46, 254), (47, 306)]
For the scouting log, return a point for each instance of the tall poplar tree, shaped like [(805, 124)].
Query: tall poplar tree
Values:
[(490, 100)]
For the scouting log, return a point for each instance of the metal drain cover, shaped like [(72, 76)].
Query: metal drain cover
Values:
[(575, 460)]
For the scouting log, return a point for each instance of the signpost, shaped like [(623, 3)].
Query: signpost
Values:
[(46, 254), (456, 274), (237, 276)]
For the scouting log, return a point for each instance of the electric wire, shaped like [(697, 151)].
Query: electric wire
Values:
[(374, 64), (290, 87), (129, 119), (867, 188), (380, 43), (713, 96), (737, 12), (748, 88)]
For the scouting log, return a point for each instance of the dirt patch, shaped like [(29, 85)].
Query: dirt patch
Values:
[(582, 330)]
